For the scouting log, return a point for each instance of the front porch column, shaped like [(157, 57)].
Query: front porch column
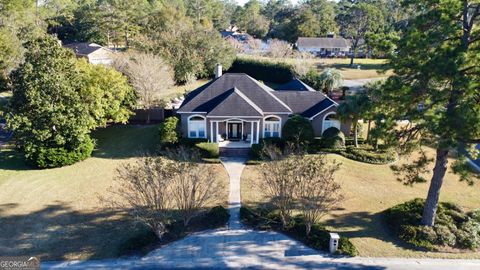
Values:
[(257, 139), (251, 133), (211, 131), (216, 132)]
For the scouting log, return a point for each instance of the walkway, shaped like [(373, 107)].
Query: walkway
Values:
[(240, 248)]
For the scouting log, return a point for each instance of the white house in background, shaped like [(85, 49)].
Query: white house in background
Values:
[(324, 46), (94, 53)]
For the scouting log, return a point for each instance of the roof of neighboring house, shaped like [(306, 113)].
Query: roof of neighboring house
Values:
[(201, 99), (305, 103), (84, 48), (237, 94), (324, 42), (295, 84)]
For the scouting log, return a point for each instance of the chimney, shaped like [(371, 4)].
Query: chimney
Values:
[(218, 71)]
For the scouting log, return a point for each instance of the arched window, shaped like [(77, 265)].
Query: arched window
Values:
[(271, 126), (330, 120), (197, 126)]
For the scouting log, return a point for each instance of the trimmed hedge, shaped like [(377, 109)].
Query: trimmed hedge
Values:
[(208, 150), (453, 227), (264, 70), (43, 157), (333, 138), (217, 216), (369, 156), (298, 126), (319, 237)]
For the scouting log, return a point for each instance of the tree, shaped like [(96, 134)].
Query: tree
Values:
[(191, 50), (249, 19), (435, 87), (279, 49), (143, 189), (317, 192), (291, 180), (354, 108), (10, 55), (278, 182), (357, 21), (46, 109), (148, 74), (330, 79), (194, 186), (57, 101), (106, 94)]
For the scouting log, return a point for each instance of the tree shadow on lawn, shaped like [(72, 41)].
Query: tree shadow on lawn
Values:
[(369, 225), (59, 232), (11, 159)]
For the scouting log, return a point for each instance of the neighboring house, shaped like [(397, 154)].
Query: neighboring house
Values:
[(94, 53), (235, 106), (325, 46)]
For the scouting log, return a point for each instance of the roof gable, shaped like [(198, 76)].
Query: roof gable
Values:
[(305, 103), (200, 100), (235, 103)]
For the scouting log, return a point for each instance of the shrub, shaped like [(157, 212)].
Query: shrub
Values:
[(298, 129), (333, 138), (43, 157), (346, 247), (256, 151), (445, 236), (140, 238), (217, 216), (370, 156), (452, 227), (168, 131), (191, 142), (208, 150), (264, 70)]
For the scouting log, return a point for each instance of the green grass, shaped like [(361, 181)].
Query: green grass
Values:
[(57, 213), (369, 190), (369, 68)]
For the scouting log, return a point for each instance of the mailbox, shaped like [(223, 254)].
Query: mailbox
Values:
[(334, 242)]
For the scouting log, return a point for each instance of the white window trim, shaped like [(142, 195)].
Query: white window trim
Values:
[(325, 117), (279, 127), (204, 123)]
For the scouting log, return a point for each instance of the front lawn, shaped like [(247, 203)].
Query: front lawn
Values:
[(56, 213), (369, 190), (369, 68)]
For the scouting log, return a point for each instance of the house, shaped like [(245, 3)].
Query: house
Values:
[(94, 53), (324, 46), (236, 107)]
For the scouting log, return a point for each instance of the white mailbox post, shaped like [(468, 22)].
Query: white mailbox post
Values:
[(334, 241)]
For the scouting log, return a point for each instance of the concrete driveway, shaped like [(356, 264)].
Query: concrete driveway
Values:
[(241, 248)]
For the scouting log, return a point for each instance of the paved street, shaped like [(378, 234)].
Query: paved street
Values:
[(240, 248)]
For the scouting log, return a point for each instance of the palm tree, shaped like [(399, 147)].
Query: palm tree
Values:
[(354, 108), (330, 78)]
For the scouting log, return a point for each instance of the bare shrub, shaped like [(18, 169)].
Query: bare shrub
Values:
[(143, 190), (279, 49), (149, 74), (296, 181), (317, 193)]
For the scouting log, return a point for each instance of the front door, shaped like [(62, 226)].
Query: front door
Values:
[(234, 131)]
